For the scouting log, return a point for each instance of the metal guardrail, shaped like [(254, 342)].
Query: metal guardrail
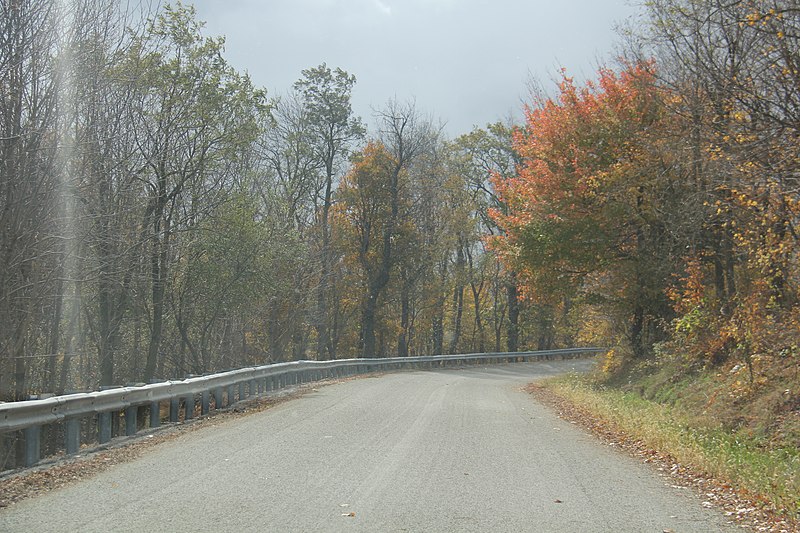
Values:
[(226, 388)]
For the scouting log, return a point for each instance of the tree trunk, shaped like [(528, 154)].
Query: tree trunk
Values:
[(368, 308), (55, 335), (158, 280), (276, 344), (20, 372), (476, 299), (458, 305), (405, 318), (637, 332), (438, 316), (324, 350), (512, 336), (106, 347), (69, 348)]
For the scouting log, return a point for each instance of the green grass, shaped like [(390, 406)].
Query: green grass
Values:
[(744, 460)]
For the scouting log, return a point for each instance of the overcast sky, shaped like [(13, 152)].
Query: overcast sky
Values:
[(464, 62)]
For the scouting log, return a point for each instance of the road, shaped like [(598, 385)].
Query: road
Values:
[(451, 450)]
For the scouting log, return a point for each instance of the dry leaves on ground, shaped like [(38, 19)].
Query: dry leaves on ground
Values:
[(745, 509)]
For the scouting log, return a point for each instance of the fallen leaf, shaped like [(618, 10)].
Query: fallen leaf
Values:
[(351, 515), (557, 501)]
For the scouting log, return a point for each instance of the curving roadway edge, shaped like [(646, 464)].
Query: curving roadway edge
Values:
[(450, 450)]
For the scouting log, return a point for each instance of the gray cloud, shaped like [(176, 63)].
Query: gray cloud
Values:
[(465, 62)]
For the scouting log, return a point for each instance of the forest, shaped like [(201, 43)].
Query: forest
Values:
[(161, 216)]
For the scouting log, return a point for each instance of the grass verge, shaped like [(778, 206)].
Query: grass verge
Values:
[(766, 476)]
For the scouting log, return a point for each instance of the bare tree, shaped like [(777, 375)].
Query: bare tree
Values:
[(29, 182)]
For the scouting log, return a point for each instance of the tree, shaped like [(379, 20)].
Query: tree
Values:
[(107, 173), (732, 72), (194, 116), (29, 182), (487, 156), (375, 203), (586, 212), (333, 130), (223, 271), (370, 198), (287, 178)]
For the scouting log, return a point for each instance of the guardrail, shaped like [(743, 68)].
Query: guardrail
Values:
[(112, 407)]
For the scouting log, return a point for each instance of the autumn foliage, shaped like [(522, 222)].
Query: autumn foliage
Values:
[(673, 232), (583, 214)]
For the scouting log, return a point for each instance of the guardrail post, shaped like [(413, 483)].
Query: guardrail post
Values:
[(32, 445), (115, 419), (231, 395), (188, 407), (174, 409), (205, 402), (155, 414), (219, 400), (252, 388), (104, 427), (130, 420), (72, 435)]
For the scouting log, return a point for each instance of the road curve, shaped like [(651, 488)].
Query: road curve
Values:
[(452, 450)]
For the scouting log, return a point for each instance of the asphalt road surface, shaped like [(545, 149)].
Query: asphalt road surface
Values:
[(452, 450)]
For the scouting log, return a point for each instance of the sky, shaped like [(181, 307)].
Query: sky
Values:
[(464, 63)]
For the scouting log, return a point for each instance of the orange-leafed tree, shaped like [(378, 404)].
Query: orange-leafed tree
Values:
[(370, 199), (589, 211)]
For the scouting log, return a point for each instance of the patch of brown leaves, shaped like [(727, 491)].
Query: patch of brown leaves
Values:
[(747, 510)]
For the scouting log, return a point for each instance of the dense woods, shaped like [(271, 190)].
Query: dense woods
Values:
[(660, 201), (162, 216)]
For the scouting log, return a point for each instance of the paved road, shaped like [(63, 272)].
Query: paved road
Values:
[(455, 450)]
